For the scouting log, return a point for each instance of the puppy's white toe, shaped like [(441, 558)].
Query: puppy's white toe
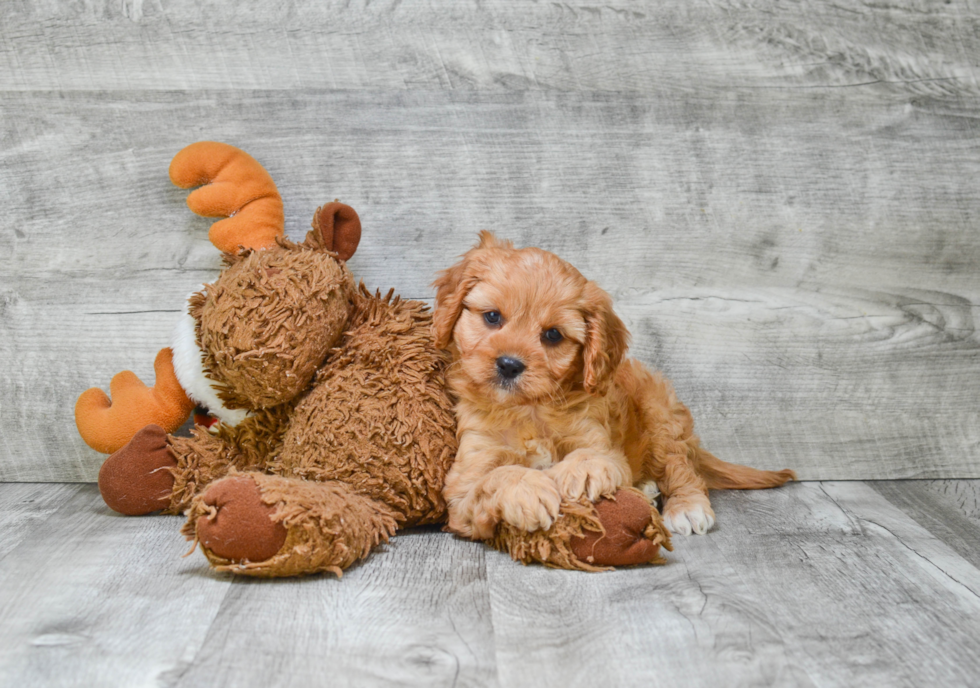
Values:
[(691, 518), (679, 524), (700, 521)]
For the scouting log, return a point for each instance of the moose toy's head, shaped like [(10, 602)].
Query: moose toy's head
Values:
[(254, 337)]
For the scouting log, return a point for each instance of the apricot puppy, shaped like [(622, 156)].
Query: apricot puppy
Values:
[(548, 407)]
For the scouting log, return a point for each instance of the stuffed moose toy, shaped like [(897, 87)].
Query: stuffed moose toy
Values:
[(324, 423)]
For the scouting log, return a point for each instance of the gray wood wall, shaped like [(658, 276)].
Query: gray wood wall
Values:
[(781, 196)]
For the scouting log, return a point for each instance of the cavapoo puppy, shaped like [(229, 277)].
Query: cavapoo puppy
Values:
[(550, 409)]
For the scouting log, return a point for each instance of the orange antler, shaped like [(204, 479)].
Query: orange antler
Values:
[(107, 425), (236, 187)]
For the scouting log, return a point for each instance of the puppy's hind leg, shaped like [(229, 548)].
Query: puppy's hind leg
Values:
[(686, 507), (663, 436)]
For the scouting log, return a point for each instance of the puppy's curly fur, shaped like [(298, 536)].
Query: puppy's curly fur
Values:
[(548, 407)]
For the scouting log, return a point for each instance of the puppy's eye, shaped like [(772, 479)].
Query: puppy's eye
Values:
[(553, 336), (492, 317)]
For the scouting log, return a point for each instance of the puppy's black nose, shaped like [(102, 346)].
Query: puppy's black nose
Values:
[(509, 367)]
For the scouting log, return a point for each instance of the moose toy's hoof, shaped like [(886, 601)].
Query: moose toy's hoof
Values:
[(239, 525), (136, 479), (634, 533)]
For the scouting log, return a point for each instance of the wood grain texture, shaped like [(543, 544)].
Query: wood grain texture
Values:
[(416, 613), (694, 46), (91, 598), (814, 303), (949, 509), (817, 584), (26, 505), (779, 195), (963, 495)]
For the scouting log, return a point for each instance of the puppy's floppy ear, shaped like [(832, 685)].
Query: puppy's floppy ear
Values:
[(454, 284), (606, 340)]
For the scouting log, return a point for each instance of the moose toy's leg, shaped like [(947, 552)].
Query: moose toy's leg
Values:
[(237, 525), (137, 479), (155, 471), (271, 526), (617, 531)]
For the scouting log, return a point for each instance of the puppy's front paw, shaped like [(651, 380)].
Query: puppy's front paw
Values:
[(529, 502), (581, 473), (687, 514)]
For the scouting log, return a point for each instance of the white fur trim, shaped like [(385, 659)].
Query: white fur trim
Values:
[(189, 367), (650, 490)]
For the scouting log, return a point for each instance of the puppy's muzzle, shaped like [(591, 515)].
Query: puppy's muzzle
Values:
[(508, 367)]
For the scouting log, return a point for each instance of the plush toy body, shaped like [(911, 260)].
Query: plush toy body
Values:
[(339, 468), (334, 428)]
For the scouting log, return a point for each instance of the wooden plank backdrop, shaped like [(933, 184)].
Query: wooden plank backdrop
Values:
[(781, 196)]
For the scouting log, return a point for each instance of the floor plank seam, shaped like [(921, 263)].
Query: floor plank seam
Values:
[(923, 557)]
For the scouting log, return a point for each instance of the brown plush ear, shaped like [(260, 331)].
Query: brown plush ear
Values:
[(340, 228), (606, 340)]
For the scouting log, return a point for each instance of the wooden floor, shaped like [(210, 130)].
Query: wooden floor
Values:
[(823, 584)]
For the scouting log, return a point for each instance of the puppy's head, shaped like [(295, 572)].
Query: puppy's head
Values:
[(525, 325)]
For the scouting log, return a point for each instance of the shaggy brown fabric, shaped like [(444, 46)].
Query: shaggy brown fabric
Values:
[(350, 454), (578, 524), (259, 436), (551, 547), (378, 417), (329, 527), (363, 452), (239, 526), (136, 479), (205, 457), (201, 459), (269, 320)]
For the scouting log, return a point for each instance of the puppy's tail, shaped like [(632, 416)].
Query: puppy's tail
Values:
[(721, 475)]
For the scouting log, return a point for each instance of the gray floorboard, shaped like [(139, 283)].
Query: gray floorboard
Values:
[(822, 584), (416, 614), (946, 508), (91, 598)]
